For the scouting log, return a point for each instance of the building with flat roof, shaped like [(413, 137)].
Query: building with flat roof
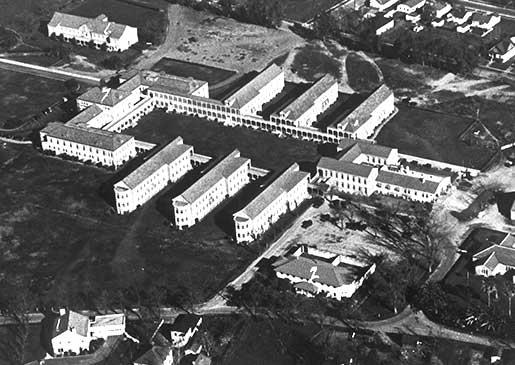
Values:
[(312, 272), (88, 144), (167, 165), (222, 181), (98, 31), (250, 98), (303, 111), (284, 194), (363, 120)]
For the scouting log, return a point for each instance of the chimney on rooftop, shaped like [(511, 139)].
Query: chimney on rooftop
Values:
[(62, 311)]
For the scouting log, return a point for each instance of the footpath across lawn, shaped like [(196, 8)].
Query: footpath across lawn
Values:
[(433, 135)]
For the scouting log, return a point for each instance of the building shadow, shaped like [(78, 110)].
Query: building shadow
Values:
[(505, 202)]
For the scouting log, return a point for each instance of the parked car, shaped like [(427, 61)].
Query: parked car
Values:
[(307, 223)]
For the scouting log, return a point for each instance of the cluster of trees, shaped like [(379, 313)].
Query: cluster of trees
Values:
[(267, 13), (8, 39), (452, 51), (153, 29)]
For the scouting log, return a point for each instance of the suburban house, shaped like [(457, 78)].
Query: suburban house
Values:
[(312, 271), (383, 24), (182, 330), (303, 111), (73, 331), (459, 15), (363, 120), (410, 6), (222, 181), (382, 5), (100, 31), (484, 20), (441, 9), (284, 194), (167, 165), (496, 259), (88, 144), (367, 168), (156, 355), (504, 50), (261, 89)]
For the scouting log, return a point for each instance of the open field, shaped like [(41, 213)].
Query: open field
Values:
[(212, 75), (22, 95), (434, 136), (57, 230), (304, 10), (204, 38), (213, 139)]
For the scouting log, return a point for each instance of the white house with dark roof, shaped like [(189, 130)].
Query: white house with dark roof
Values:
[(99, 30), (363, 120), (222, 181), (285, 193), (73, 331), (485, 20), (347, 176), (88, 144), (303, 111), (441, 9), (410, 6), (459, 15), (312, 272), (382, 5), (496, 259), (504, 50), (167, 165), (182, 330), (261, 89)]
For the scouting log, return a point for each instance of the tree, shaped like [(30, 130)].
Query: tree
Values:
[(488, 286), (325, 25)]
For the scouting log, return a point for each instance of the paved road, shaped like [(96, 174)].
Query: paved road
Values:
[(476, 5)]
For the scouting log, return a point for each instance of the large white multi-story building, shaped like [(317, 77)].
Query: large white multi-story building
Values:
[(284, 194), (73, 331), (222, 181), (367, 168), (167, 165), (264, 87), (88, 144), (99, 30), (313, 271), (303, 111), (363, 120)]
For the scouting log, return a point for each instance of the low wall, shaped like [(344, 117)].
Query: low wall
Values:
[(439, 164)]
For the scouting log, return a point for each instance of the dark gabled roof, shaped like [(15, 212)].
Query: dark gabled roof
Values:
[(184, 322), (98, 25), (93, 137), (155, 356), (170, 84), (104, 96), (164, 156), (412, 3), (284, 183), (345, 167), (362, 113), (71, 321), (304, 285), (482, 18), (503, 46), (244, 95), (305, 101), (365, 148), (406, 181), (85, 116), (497, 254)]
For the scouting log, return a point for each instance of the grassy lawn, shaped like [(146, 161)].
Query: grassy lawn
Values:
[(311, 63), (213, 139), (212, 75), (434, 136), (57, 230), (304, 10), (363, 76), (22, 95)]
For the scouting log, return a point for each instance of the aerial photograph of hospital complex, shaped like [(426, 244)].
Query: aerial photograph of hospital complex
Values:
[(250, 182)]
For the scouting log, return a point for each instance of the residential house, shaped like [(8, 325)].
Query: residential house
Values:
[(313, 272), (382, 24), (441, 9), (100, 31), (284, 194), (261, 89), (73, 331), (303, 111), (382, 5), (504, 50), (363, 120), (496, 259), (88, 144), (224, 180), (484, 20), (459, 15), (156, 355), (167, 165), (410, 6), (182, 330)]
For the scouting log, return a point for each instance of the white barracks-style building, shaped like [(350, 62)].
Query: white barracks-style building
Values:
[(284, 194), (222, 181), (167, 165), (260, 90), (367, 168), (99, 30), (73, 331)]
